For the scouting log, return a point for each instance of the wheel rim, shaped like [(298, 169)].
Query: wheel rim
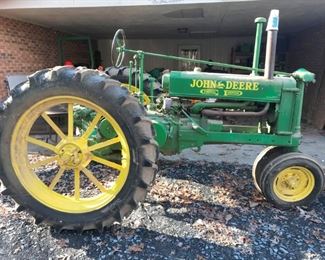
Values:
[(72, 157), (255, 170), (294, 184)]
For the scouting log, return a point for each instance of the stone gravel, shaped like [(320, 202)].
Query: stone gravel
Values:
[(195, 210)]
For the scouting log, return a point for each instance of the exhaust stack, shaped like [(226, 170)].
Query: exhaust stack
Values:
[(272, 35)]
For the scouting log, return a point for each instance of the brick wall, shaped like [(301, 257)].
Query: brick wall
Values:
[(307, 50), (26, 48)]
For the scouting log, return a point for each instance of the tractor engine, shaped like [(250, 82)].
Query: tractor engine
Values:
[(216, 96)]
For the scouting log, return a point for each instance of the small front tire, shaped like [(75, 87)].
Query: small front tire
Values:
[(264, 157), (292, 179)]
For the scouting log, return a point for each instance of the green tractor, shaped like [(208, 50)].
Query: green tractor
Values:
[(107, 135)]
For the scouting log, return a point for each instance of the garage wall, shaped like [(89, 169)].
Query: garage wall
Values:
[(217, 49), (307, 50), (26, 48), (77, 52)]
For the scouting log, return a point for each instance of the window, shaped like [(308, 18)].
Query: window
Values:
[(191, 52)]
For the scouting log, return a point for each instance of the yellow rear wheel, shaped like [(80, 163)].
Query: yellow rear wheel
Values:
[(63, 177), (70, 155)]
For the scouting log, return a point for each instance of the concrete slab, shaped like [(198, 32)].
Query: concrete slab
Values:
[(313, 144)]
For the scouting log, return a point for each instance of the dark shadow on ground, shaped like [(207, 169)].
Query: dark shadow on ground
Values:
[(229, 219), (122, 242), (268, 231)]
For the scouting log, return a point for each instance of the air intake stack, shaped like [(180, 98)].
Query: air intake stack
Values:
[(272, 35)]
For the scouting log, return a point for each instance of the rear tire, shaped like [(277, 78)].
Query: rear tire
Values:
[(122, 74), (106, 94)]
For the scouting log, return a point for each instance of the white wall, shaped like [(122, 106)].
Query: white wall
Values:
[(217, 49), (6, 4)]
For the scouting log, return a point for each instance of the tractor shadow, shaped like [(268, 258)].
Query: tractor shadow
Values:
[(119, 242), (209, 210)]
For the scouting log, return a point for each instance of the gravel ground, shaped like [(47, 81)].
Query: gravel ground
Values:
[(195, 210)]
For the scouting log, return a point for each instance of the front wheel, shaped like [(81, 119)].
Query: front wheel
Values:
[(264, 157), (76, 180), (292, 179)]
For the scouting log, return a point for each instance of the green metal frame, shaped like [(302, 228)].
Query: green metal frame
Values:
[(260, 21), (178, 129)]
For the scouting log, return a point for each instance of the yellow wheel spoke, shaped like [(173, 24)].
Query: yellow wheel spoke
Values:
[(94, 180), (41, 144), (70, 120), (57, 178), (69, 156), (92, 125), (76, 184), (104, 144), (44, 162), (107, 163), (53, 125)]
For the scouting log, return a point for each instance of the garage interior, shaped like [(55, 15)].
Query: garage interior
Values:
[(222, 31)]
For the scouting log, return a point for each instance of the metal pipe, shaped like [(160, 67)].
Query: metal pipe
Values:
[(260, 21), (141, 70), (152, 80), (272, 35), (130, 73), (213, 63), (199, 106), (91, 54), (214, 113), (298, 107), (136, 72)]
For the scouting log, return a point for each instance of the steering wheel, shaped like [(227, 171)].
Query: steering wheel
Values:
[(117, 52)]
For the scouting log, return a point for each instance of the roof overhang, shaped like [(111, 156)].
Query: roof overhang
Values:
[(164, 18)]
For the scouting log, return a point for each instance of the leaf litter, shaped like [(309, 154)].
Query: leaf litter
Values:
[(194, 210)]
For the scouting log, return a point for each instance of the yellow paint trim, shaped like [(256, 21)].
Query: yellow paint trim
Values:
[(135, 90), (91, 177), (47, 195), (70, 120), (53, 125), (44, 162), (77, 184), (56, 178), (104, 144), (92, 126), (41, 144), (107, 163)]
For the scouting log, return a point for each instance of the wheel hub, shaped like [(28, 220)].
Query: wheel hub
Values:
[(294, 183), (290, 181), (71, 155)]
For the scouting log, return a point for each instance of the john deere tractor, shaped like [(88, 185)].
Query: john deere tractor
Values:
[(101, 156)]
